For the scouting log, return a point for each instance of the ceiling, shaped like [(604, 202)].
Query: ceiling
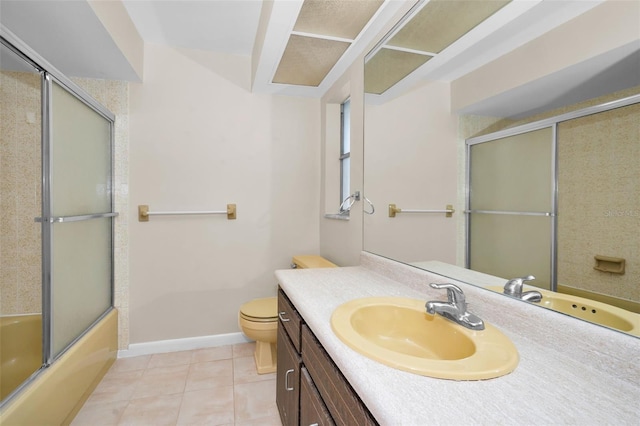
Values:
[(70, 36), (227, 26)]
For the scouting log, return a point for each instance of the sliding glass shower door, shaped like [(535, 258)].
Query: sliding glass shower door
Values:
[(80, 203), (511, 206), (56, 280)]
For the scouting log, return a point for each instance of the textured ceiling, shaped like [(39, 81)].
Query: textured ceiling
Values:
[(322, 33), (431, 29)]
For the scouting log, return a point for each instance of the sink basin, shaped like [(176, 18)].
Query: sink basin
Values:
[(399, 333), (588, 310)]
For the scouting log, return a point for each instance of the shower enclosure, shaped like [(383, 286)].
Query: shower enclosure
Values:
[(558, 199), (56, 215)]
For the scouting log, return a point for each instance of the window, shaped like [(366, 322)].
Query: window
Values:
[(345, 148)]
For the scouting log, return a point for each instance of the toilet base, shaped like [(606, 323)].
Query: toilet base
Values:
[(265, 356)]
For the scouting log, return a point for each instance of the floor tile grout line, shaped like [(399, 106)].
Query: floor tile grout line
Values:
[(147, 367)]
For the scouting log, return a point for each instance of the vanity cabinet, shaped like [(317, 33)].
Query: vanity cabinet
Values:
[(289, 362), (311, 390)]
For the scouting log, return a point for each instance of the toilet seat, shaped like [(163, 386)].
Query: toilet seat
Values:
[(260, 310)]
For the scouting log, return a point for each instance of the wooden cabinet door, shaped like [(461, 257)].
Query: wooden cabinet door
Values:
[(342, 402), (287, 380), (313, 412)]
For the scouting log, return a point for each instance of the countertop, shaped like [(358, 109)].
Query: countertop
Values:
[(570, 371)]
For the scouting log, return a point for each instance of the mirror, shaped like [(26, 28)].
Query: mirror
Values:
[(415, 155)]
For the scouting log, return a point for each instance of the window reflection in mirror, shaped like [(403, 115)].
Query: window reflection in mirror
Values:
[(345, 149)]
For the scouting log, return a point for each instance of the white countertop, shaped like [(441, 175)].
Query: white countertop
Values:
[(570, 371)]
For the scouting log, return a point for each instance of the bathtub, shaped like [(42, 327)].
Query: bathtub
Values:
[(60, 390), (20, 350)]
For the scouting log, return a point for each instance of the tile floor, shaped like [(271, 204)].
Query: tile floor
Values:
[(212, 386)]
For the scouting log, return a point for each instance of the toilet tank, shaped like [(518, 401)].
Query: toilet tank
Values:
[(311, 261)]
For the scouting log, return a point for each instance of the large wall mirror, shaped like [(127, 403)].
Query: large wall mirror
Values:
[(559, 199)]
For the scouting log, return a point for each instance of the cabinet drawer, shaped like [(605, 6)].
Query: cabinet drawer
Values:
[(289, 318), (313, 411), (343, 403)]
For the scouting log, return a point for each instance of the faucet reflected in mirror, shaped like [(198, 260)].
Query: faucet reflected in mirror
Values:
[(415, 154), (513, 288)]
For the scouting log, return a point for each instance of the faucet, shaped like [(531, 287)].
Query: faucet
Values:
[(513, 288), (455, 308)]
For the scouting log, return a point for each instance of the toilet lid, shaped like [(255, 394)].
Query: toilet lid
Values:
[(266, 308)]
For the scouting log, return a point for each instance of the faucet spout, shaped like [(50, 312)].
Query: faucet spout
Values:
[(455, 308), (531, 296), (435, 307)]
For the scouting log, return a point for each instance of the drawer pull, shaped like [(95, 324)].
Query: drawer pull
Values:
[(286, 380), (280, 314)]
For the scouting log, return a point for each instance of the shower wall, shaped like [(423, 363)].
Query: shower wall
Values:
[(598, 196), (20, 199)]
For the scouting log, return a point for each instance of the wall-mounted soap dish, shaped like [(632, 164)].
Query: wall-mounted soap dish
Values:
[(614, 265)]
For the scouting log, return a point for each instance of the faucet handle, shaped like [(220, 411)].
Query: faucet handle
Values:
[(513, 287), (454, 293)]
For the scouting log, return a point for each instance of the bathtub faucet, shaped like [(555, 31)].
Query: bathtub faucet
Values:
[(513, 288)]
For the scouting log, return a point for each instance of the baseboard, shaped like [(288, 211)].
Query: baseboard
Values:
[(186, 344)]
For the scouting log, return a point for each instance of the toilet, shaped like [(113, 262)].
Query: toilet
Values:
[(258, 318)]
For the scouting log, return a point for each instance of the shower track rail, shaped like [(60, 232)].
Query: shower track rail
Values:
[(515, 213)]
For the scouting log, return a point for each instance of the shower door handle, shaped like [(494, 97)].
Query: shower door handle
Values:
[(63, 219)]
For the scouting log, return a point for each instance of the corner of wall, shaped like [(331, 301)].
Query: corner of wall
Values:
[(118, 24)]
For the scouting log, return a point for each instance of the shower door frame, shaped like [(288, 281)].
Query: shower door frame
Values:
[(526, 128), (48, 75), (48, 219)]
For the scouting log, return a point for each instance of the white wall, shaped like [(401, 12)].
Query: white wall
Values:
[(200, 140), (410, 161)]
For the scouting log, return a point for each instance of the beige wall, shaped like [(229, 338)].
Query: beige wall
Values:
[(200, 140), (20, 193), (410, 161)]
